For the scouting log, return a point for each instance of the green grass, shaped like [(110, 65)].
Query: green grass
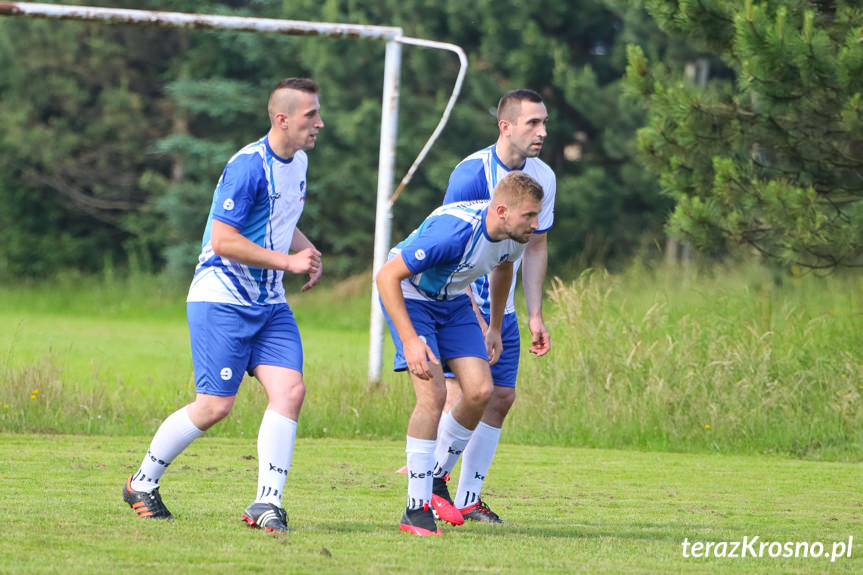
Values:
[(724, 360), (571, 510), (731, 361)]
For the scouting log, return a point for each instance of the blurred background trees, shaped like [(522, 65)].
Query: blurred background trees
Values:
[(769, 155), (112, 137)]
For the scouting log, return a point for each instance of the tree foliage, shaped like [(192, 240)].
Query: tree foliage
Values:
[(112, 137), (773, 156)]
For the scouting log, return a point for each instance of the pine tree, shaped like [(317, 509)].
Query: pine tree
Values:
[(772, 157)]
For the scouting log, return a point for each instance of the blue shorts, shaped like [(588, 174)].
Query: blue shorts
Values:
[(505, 370), (448, 327), (229, 340)]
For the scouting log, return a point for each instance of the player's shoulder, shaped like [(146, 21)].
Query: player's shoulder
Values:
[(538, 168), (477, 160), (459, 216), (250, 155), (468, 179), (302, 157), (468, 208)]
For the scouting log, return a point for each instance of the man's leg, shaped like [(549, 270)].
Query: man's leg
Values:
[(277, 362), (218, 334), (175, 434), (479, 453), (278, 432), (419, 447), (456, 428)]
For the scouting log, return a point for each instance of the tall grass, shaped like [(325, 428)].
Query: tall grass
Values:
[(730, 360)]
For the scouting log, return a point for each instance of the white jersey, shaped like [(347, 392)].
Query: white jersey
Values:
[(451, 249), (475, 178), (262, 195)]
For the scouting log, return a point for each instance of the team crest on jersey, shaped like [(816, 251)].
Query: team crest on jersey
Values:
[(420, 254), (228, 204)]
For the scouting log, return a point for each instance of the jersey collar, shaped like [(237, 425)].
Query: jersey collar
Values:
[(484, 215), (501, 164), (275, 155)]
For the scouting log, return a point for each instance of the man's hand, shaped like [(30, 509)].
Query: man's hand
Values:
[(418, 355), (306, 261), (540, 340), (493, 345), (314, 276)]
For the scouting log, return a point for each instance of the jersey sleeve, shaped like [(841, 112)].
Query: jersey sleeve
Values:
[(242, 181), (441, 242), (467, 182)]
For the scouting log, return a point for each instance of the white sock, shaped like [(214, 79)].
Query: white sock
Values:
[(420, 460), (475, 463), (451, 440), (276, 438), (175, 434)]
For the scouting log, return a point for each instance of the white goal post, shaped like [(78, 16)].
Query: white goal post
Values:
[(394, 39)]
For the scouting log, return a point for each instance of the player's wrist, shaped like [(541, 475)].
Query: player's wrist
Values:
[(535, 319)]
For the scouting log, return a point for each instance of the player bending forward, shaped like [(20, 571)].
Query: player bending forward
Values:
[(423, 291)]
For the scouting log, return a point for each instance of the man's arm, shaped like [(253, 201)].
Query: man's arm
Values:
[(417, 353), (229, 243), (299, 243), (534, 265), (500, 279)]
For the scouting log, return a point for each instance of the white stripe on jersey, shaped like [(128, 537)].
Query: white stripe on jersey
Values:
[(263, 196)]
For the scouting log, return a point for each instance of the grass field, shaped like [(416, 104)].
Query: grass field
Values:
[(723, 360), (731, 399), (571, 510)]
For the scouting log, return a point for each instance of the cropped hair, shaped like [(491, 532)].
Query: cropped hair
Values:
[(285, 102), (511, 101), (301, 84), (514, 187)]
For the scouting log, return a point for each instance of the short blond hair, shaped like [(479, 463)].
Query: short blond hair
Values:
[(515, 187)]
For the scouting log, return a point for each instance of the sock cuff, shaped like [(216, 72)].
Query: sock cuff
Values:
[(187, 427), (452, 425), (278, 417), (487, 429), (416, 445)]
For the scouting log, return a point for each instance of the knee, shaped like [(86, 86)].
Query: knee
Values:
[(503, 398), (288, 399), (297, 393), (478, 395), (220, 411), (205, 414), (500, 403)]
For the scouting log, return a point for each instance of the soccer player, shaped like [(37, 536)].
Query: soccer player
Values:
[(521, 119), (423, 291), (239, 320)]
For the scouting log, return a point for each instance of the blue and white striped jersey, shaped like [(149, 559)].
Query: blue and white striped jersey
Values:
[(262, 195), (475, 178), (451, 249)]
